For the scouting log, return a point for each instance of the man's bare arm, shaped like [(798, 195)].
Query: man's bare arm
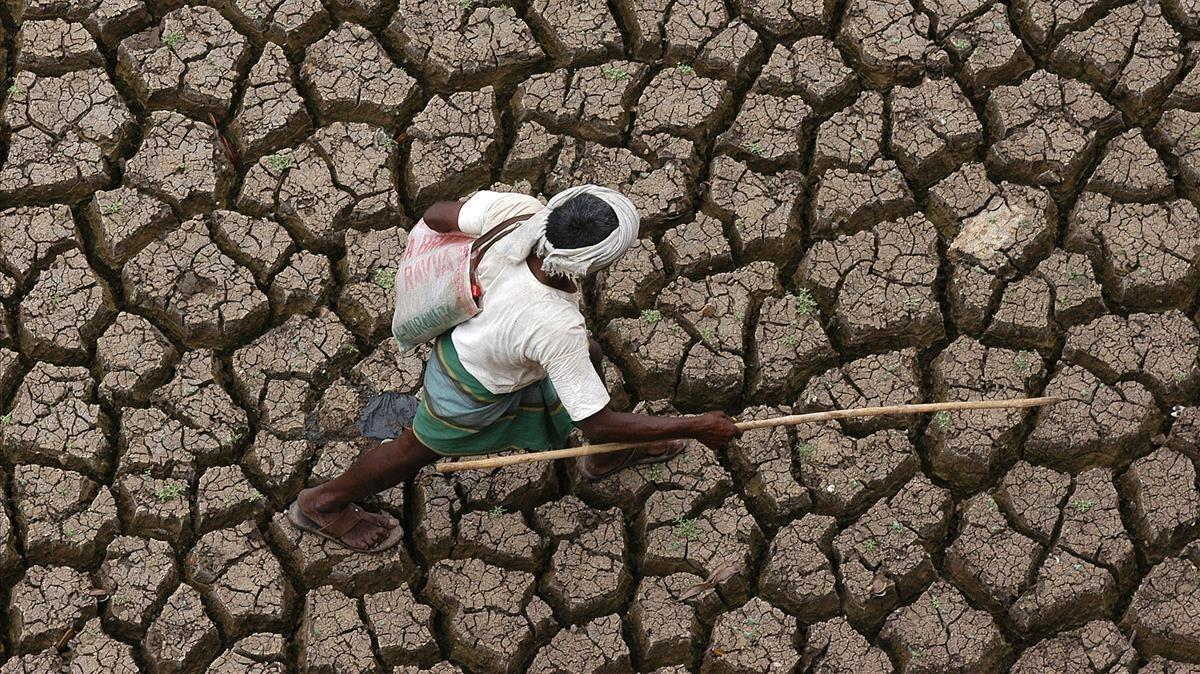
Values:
[(442, 216), (714, 429)]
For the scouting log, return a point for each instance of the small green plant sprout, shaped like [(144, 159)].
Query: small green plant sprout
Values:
[(708, 334), (651, 316), (172, 39), (685, 69), (1082, 505), (614, 72), (805, 302), (234, 437), (495, 512), (6, 420), (805, 451), (756, 148), (352, 349), (70, 531), (656, 472), (750, 633), (856, 483), (169, 492), (896, 526), (790, 341), (385, 278), (255, 15), (935, 603), (1021, 362), (942, 419), (113, 207), (961, 44), (383, 140), (280, 162), (1075, 276), (466, 5), (895, 39), (871, 544), (686, 529), (256, 496), (16, 93), (912, 303)]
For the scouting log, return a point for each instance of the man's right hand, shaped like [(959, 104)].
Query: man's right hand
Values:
[(715, 429)]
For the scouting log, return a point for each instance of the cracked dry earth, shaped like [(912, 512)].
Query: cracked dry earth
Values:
[(846, 203)]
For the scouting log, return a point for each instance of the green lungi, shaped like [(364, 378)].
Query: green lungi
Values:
[(458, 416)]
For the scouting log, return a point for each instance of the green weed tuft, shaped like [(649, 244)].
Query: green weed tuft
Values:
[(280, 162), (614, 73), (685, 69), (651, 316), (382, 139), (805, 451), (173, 39), (385, 278), (1082, 505), (942, 419), (805, 302), (169, 492), (1021, 362), (113, 207), (687, 529)]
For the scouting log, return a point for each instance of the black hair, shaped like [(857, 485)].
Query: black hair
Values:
[(581, 221)]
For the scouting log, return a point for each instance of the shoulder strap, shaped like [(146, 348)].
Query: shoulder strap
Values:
[(483, 243)]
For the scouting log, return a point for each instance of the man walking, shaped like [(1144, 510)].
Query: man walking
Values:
[(521, 372)]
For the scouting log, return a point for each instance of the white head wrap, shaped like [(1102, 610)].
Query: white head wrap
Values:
[(575, 262)]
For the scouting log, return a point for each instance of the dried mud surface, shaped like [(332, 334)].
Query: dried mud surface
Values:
[(845, 203)]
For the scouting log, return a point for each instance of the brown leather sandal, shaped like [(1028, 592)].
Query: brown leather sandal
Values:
[(340, 526)]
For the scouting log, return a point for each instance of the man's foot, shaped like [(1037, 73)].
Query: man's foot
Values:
[(600, 466), (370, 530)]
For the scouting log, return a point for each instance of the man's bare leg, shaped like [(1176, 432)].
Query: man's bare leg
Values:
[(602, 463), (380, 468)]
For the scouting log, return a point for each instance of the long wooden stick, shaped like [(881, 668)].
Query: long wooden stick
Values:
[(790, 420)]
